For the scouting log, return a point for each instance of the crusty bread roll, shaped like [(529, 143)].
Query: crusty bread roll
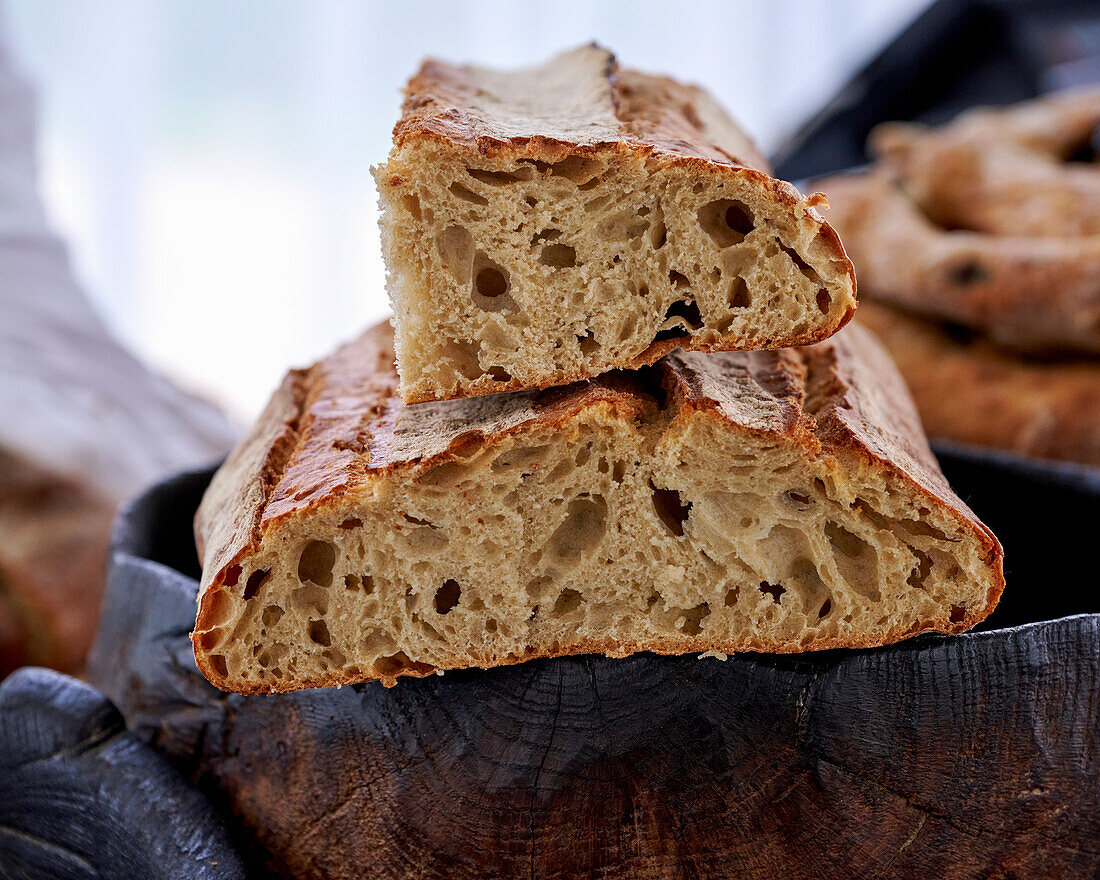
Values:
[(1024, 292), (771, 501), (991, 221), (547, 225), (970, 390)]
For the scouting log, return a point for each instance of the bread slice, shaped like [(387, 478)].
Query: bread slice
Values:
[(968, 389), (764, 501), (550, 224), (1025, 292)]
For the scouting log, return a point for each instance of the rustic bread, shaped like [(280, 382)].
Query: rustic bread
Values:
[(1026, 292), (1024, 170), (550, 224), (970, 390), (771, 501)]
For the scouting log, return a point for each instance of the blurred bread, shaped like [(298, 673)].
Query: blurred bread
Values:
[(1026, 170), (969, 390), (1035, 294), (549, 224), (83, 423), (771, 501)]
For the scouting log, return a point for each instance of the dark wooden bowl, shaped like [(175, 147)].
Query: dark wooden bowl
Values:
[(81, 798), (970, 756)]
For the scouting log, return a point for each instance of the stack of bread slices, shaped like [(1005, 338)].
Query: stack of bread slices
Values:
[(619, 420)]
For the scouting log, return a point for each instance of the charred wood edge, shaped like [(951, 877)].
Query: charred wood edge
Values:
[(61, 741)]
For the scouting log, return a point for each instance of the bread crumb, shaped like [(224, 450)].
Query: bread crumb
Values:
[(713, 655)]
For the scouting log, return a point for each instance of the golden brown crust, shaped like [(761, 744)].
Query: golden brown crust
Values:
[(969, 390), (335, 429), (579, 101), (1030, 293)]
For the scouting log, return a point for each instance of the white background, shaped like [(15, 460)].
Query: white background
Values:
[(208, 160)]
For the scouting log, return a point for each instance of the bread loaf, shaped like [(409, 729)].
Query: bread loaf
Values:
[(764, 501), (550, 224), (968, 389)]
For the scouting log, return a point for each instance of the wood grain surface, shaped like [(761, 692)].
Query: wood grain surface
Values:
[(83, 799)]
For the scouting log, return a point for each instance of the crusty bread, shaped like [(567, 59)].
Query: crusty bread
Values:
[(547, 225), (772, 501), (1024, 170), (1025, 292), (970, 390)]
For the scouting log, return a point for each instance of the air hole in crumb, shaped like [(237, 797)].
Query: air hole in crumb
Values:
[(218, 662), (670, 509), (466, 194), (568, 600), (490, 625), (447, 596), (678, 280), (823, 301), (315, 563), (351, 523), (455, 247), (491, 282), (658, 235), (232, 575), (502, 178), (387, 667), (318, 633), (587, 343), (958, 612), (499, 374), (825, 609), (583, 528), (798, 500), (272, 615), (731, 597), (693, 619), (254, 582), (688, 310), (920, 570), (548, 234), (558, 256), (726, 221), (970, 272), (773, 590)]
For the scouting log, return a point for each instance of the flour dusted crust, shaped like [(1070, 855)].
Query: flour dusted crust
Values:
[(969, 390), (773, 501), (1028, 293), (547, 225)]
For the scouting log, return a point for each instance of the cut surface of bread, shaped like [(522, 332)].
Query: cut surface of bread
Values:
[(1034, 294), (968, 389), (547, 225), (766, 501)]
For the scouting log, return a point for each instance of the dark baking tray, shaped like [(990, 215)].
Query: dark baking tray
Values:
[(955, 55)]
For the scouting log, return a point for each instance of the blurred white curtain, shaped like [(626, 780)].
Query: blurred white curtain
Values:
[(208, 161)]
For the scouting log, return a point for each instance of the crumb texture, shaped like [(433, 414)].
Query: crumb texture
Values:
[(552, 224), (778, 501)]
